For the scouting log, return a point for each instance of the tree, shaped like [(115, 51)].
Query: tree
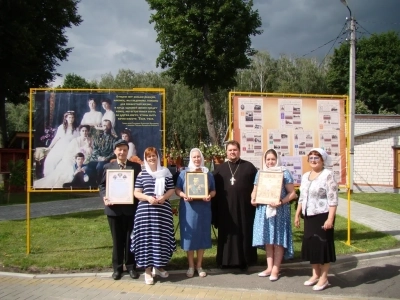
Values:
[(300, 75), (377, 71), (73, 81), (33, 42), (286, 74), (17, 117), (204, 43)]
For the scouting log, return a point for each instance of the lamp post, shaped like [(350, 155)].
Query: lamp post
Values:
[(352, 94)]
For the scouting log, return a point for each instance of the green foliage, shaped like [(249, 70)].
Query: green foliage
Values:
[(204, 41), (17, 173), (389, 202), (362, 108), (286, 74), (73, 81), (33, 42), (377, 71), (17, 117)]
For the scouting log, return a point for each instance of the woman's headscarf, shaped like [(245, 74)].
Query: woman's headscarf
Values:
[(325, 156), (191, 165), (278, 164), (159, 175)]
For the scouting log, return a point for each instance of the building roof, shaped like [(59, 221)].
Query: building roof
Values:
[(376, 131)]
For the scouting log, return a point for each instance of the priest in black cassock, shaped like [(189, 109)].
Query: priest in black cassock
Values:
[(232, 211)]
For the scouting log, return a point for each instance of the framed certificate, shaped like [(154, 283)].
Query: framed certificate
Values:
[(196, 185), (119, 186), (269, 187)]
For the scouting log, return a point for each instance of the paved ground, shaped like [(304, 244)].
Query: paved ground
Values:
[(364, 276)]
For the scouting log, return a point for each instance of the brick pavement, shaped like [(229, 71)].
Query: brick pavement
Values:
[(98, 287)]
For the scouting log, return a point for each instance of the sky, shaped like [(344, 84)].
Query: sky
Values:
[(117, 34)]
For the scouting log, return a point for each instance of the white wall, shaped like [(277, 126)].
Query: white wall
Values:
[(368, 123), (373, 153)]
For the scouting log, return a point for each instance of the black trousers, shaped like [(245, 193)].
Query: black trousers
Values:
[(121, 228)]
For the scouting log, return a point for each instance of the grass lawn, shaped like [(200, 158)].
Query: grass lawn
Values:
[(81, 242), (389, 202), (20, 198)]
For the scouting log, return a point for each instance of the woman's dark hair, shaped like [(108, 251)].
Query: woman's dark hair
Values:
[(316, 153), (65, 123), (106, 100), (271, 151), (128, 133), (86, 126)]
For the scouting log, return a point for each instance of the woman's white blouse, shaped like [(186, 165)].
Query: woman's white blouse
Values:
[(316, 196)]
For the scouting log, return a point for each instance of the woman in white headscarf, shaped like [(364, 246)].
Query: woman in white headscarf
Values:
[(318, 202), (153, 240), (272, 228), (195, 215)]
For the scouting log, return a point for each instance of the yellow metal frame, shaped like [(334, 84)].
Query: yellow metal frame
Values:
[(29, 168), (284, 95)]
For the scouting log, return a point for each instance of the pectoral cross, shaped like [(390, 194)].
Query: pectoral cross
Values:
[(232, 180)]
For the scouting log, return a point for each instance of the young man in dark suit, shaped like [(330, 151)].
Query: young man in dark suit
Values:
[(120, 216)]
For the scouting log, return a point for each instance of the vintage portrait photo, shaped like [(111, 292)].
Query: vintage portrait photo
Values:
[(196, 185)]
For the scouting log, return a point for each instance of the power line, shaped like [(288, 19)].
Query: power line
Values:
[(358, 23), (385, 23), (339, 35), (335, 39)]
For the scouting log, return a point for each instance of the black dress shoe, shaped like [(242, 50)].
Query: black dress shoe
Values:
[(133, 274), (117, 275)]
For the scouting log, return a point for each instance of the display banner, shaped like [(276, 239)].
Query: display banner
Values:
[(74, 133), (291, 126)]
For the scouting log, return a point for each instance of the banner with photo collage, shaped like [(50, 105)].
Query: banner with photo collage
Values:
[(75, 131)]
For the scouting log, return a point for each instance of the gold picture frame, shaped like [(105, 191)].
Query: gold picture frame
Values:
[(119, 186), (196, 185), (269, 187)]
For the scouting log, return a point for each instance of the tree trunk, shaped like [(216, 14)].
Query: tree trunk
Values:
[(3, 124), (209, 116)]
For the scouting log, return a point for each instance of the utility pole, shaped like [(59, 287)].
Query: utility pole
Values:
[(352, 94), (352, 108)]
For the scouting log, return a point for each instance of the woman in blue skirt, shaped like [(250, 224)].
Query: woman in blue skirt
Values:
[(195, 215)]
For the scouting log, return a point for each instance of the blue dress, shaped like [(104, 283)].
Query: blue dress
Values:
[(195, 218), (275, 230)]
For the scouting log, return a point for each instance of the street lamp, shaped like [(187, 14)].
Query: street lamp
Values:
[(352, 94)]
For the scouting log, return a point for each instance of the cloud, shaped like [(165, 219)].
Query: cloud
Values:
[(117, 34)]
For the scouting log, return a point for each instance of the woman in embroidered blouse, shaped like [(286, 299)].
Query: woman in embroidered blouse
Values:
[(318, 201)]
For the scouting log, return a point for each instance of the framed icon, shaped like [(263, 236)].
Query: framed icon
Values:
[(196, 185)]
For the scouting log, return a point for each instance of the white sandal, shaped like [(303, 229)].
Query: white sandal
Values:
[(201, 272), (148, 278), (190, 272)]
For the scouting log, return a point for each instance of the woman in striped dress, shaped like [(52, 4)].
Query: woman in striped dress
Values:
[(153, 240)]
